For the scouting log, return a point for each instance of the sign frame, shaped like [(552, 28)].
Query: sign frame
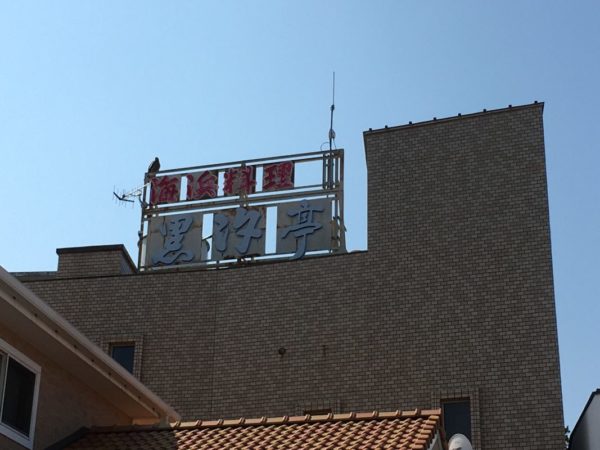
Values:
[(330, 189)]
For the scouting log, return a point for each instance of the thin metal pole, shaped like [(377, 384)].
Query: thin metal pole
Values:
[(341, 194), (141, 239)]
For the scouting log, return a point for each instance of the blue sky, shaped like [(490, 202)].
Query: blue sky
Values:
[(90, 92)]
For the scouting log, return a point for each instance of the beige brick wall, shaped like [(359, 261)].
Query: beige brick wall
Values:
[(96, 260), (65, 404), (455, 295)]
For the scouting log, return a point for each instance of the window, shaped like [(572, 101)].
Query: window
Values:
[(19, 386), (317, 412), (457, 417), (320, 407), (124, 354), (126, 349)]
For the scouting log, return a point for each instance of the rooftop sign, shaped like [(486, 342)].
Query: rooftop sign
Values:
[(233, 212)]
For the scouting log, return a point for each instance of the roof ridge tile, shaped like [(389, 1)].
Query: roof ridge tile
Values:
[(431, 416), (408, 430)]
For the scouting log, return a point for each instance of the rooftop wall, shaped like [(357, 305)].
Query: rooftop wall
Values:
[(95, 261), (454, 298)]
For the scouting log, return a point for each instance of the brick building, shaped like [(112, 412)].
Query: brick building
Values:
[(452, 305)]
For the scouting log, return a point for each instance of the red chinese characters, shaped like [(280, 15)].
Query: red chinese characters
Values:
[(164, 189), (240, 181), (202, 185), (278, 176)]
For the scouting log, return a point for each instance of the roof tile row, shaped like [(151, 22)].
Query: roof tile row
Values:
[(413, 430)]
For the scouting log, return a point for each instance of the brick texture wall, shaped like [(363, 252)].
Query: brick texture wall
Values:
[(453, 298), (96, 260)]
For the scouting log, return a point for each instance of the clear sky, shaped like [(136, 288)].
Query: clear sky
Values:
[(91, 92)]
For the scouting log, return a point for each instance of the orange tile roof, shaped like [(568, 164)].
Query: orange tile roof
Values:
[(410, 430)]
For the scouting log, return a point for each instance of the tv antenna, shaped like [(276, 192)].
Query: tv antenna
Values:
[(130, 196)]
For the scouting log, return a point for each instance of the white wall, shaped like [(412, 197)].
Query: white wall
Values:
[(586, 435)]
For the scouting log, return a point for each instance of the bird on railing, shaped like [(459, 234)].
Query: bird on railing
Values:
[(154, 166)]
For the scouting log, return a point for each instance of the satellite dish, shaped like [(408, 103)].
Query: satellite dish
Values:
[(459, 442)]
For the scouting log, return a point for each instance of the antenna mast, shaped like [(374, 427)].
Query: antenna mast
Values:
[(331, 132)]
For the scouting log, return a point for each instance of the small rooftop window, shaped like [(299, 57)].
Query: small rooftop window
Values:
[(124, 354), (457, 417), (318, 412)]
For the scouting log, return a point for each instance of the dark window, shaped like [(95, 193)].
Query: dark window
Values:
[(318, 412), (123, 354), (18, 397), (457, 417), (19, 384)]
